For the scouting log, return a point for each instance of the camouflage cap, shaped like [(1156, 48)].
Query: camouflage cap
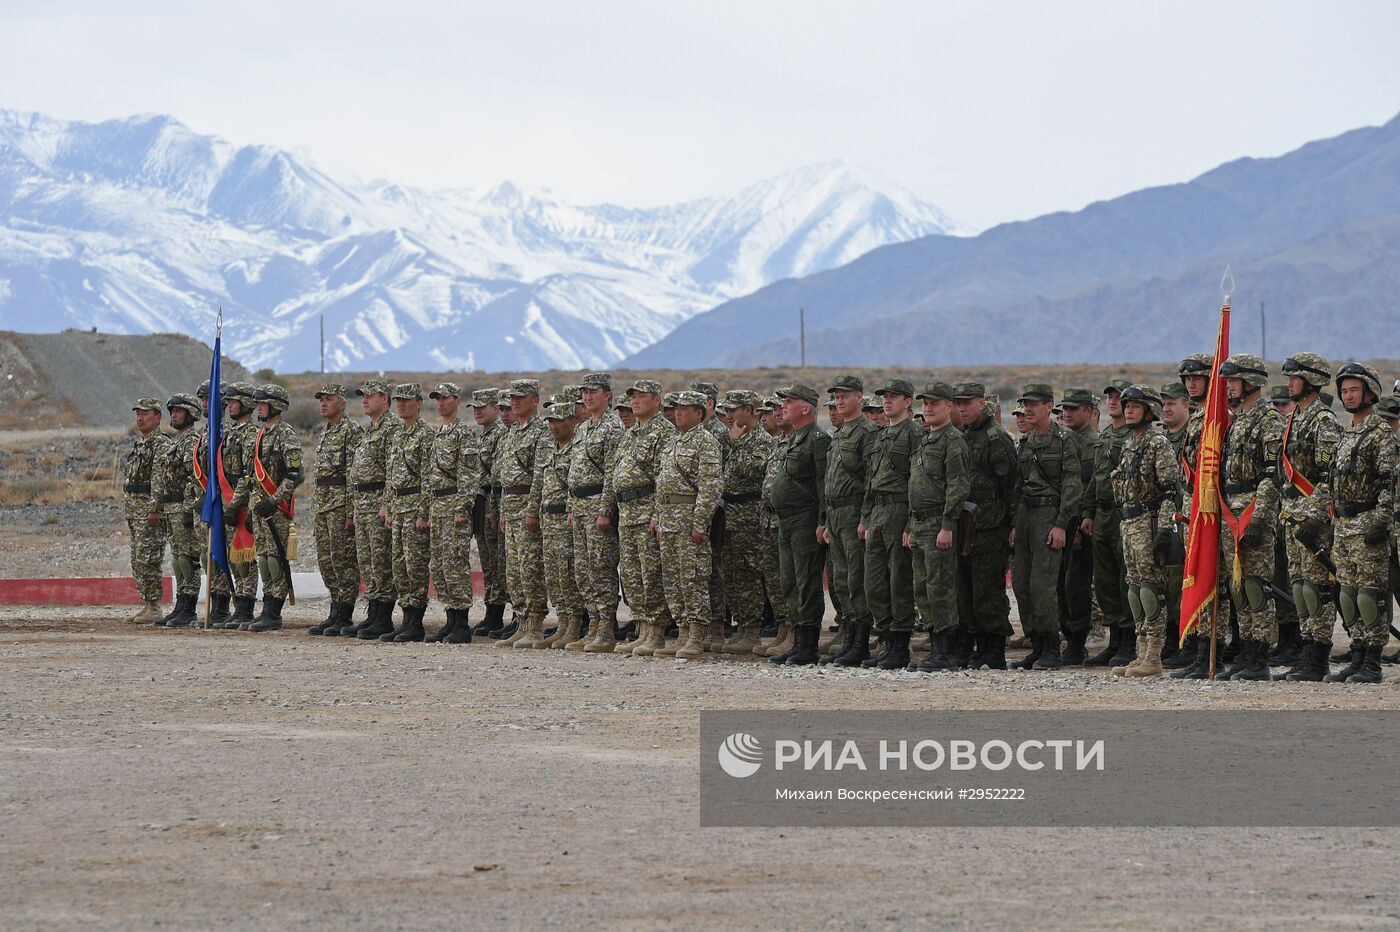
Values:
[(624, 404), (801, 393), (408, 391), (645, 387), (522, 387), (373, 387), (145, 404), (1019, 409), (1173, 390), (740, 398), (485, 396), (771, 403), (184, 400), (690, 399), (1389, 407), (446, 390), (871, 403), (602, 380), (1036, 391), (936, 391), (1117, 385), (709, 389), (847, 383), (560, 412), (896, 387), (330, 388), (572, 393), (965, 390), (1077, 398)]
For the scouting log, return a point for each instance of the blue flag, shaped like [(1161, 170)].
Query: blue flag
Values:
[(212, 513)]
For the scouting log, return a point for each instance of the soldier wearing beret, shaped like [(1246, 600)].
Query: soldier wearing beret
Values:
[(335, 521), (143, 470)]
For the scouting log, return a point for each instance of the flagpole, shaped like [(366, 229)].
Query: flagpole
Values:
[(1227, 288), (216, 411)]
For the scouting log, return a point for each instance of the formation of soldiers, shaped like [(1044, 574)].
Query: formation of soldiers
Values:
[(718, 517)]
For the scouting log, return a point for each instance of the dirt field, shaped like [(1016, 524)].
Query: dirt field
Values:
[(187, 779)]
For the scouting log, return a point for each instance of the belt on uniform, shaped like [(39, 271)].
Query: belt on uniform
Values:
[(931, 511), (137, 488), (891, 498), (1239, 488), (558, 509), (587, 491), (329, 482), (742, 498), (794, 511), (496, 488), (641, 491), (677, 498), (516, 489), (369, 486), (1354, 509), (409, 490), (443, 493), (1138, 509), (841, 501), (1040, 501), (170, 498), (989, 495)]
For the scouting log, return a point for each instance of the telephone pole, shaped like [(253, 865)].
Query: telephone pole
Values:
[(802, 335), (323, 344), (1263, 335)]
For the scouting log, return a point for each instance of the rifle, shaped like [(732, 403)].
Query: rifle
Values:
[(1308, 534)]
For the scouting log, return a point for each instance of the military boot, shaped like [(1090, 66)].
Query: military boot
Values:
[(1183, 657), (897, 656), (877, 656), (462, 630), (412, 629), (626, 647), (343, 620), (1289, 645), (1238, 665), (1149, 659), (491, 621), (848, 636), (270, 618), (963, 646), (1049, 652), (218, 609), (940, 656), (1370, 671), (808, 649), (605, 639), (508, 634), (994, 652), (581, 639), (744, 641), (832, 645), (694, 645), (332, 616), (1256, 662), (570, 636), (780, 659), (447, 628), (650, 638), (1304, 661), (1127, 648), (383, 622), (550, 636), (1075, 654), (1200, 669), (859, 651), (149, 614), (1037, 642), (405, 624), (352, 628), (669, 648), (1357, 658), (1312, 666), (182, 616), (533, 628), (1122, 669), (714, 637), (783, 643), (1106, 657)]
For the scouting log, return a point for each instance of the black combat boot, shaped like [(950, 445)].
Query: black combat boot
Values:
[(381, 623), (1289, 645), (1049, 653), (183, 614), (1200, 670), (1028, 661), (462, 631), (447, 628), (1341, 656), (412, 629), (848, 636), (1127, 647), (1312, 668), (506, 630), (270, 618), (978, 657), (627, 632), (808, 646), (859, 651), (344, 623), (897, 655), (351, 628), (242, 612), (405, 624), (332, 619), (1075, 655), (1106, 656), (1183, 657), (218, 609), (1239, 664), (1256, 667), (1302, 664), (882, 648), (993, 652), (492, 621), (962, 647), (1356, 658), (1370, 671), (941, 657)]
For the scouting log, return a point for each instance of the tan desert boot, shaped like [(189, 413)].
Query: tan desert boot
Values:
[(150, 611), (626, 647), (694, 645), (655, 638), (1149, 662), (1131, 665), (570, 635), (534, 633), (743, 642), (784, 642)]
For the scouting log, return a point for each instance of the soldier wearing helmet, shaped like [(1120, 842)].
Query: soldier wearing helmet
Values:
[(236, 451), (179, 498), (197, 466)]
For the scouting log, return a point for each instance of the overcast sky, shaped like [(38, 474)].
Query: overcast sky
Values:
[(994, 111)]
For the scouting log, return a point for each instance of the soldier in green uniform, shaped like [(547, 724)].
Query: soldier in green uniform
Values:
[(996, 491), (454, 479), (549, 507), (143, 471), (1078, 413), (798, 498), (689, 482), (889, 568), (1249, 477), (1052, 490), (335, 517), (940, 482), (1176, 412), (269, 489), (1101, 523), (240, 435), (486, 515), (742, 501), (1146, 487), (515, 473), (179, 500), (406, 510), (1361, 490), (374, 542), (1310, 436), (592, 510), (848, 465)]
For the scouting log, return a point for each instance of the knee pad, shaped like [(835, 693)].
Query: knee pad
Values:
[(270, 568), (1305, 598), (1256, 594), (1368, 605), (184, 567), (1135, 603), (1346, 597), (1152, 601)]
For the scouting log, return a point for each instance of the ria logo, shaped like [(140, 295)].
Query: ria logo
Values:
[(740, 755)]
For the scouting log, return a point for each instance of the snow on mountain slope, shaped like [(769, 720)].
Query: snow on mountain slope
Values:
[(140, 224)]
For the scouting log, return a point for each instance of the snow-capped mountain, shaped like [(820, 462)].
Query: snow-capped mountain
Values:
[(141, 225)]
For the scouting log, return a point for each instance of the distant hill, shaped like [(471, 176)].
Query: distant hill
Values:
[(1314, 234)]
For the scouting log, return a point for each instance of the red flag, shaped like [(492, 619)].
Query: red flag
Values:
[(1201, 575)]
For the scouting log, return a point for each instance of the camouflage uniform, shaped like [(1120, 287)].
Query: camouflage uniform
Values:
[(407, 502), (721, 435), (239, 437), (632, 484), (853, 446), (277, 448), (219, 582), (595, 552), (490, 541), (1361, 489), (335, 544), (689, 482), (515, 472), (889, 567), (1146, 485), (1109, 558), (549, 502), (939, 484), (453, 477), (1177, 438), (1312, 434), (996, 491), (180, 499), (369, 471), (769, 560), (144, 470), (744, 470)]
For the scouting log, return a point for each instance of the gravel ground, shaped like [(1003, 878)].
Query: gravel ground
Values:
[(189, 779)]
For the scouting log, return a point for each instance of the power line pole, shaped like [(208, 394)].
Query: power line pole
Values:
[(802, 335), (1263, 335), (323, 344)]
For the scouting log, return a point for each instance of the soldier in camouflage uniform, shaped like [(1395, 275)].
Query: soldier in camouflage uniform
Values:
[(179, 500), (516, 455), (1194, 374), (1249, 476), (1052, 490), (407, 511), (240, 435), (1310, 436), (1361, 490), (632, 484), (374, 542), (940, 481), (486, 515), (1101, 523), (720, 432), (454, 480), (1146, 486), (143, 470), (269, 490), (624, 413), (592, 510), (549, 510), (744, 471), (1175, 415), (220, 583), (889, 567), (798, 497), (335, 519), (689, 483), (847, 467), (772, 570)]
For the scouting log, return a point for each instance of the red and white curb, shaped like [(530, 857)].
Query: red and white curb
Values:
[(121, 590)]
